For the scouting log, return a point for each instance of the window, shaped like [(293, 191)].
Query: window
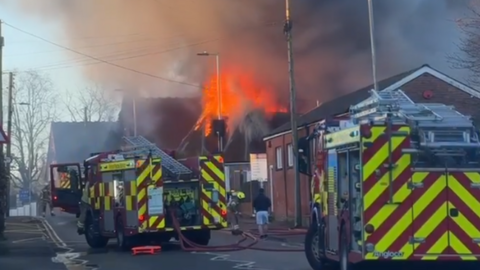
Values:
[(279, 157), (290, 155)]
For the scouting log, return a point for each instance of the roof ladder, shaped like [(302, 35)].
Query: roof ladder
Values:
[(142, 146)]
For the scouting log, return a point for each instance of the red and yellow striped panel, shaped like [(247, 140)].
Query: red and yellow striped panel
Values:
[(64, 180), (148, 174), (388, 214), (94, 196), (130, 195), (463, 223), (435, 209), (212, 172)]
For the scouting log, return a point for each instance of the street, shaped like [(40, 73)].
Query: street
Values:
[(73, 251)]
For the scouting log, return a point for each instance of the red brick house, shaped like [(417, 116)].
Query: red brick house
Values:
[(423, 85)]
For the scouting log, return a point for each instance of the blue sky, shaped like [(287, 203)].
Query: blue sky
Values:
[(24, 52)]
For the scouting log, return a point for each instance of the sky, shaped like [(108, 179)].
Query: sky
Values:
[(24, 52), (150, 36)]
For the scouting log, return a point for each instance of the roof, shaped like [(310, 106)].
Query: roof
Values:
[(236, 146), (341, 104), (169, 122), (75, 141)]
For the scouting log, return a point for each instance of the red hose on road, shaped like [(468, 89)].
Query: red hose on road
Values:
[(188, 245)]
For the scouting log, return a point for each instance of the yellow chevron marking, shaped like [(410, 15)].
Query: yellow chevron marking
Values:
[(142, 192), (382, 185), (437, 248), (217, 172), (382, 154), (425, 229), (473, 176), (460, 248), (464, 194), (462, 222), (368, 170), (157, 175), (220, 187), (406, 219)]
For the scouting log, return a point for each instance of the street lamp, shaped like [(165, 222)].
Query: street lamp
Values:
[(134, 112), (219, 92)]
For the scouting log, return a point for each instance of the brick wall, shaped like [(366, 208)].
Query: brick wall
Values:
[(442, 93), (283, 181)]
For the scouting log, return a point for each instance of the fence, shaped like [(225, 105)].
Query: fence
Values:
[(30, 210)]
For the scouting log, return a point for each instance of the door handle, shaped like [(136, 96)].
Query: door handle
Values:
[(453, 212)]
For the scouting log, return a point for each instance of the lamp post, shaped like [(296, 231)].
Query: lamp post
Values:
[(219, 92)]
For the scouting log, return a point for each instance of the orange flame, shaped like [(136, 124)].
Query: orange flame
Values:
[(239, 94)]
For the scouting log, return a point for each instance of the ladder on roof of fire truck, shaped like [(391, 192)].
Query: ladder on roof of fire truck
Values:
[(441, 129), (142, 146)]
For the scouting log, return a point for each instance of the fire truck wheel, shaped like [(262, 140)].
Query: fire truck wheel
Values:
[(93, 238), (313, 251), (123, 241), (344, 263), (200, 237)]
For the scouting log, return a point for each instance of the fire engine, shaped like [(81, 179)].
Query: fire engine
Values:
[(401, 183), (135, 193)]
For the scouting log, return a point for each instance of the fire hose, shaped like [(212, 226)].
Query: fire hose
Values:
[(190, 246)]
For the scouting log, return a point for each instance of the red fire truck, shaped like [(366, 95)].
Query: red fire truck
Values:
[(133, 193), (401, 184)]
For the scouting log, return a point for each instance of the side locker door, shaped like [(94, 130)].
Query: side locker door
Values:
[(429, 210), (463, 211), (66, 186), (213, 194), (333, 201)]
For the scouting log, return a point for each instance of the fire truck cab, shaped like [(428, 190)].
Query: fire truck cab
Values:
[(66, 186), (135, 193), (401, 183)]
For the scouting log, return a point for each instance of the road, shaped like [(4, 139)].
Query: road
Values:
[(73, 251)]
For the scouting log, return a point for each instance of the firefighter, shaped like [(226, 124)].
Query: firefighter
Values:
[(84, 205), (46, 200), (234, 204)]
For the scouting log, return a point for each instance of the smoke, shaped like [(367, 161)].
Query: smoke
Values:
[(331, 40)]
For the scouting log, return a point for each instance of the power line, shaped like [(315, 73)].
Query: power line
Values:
[(101, 45), (81, 61), (99, 59), (80, 38)]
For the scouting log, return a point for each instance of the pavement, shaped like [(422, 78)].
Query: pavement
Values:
[(28, 246), (278, 231), (73, 252)]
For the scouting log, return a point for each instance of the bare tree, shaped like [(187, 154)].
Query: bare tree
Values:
[(92, 104), (468, 55), (34, 108)]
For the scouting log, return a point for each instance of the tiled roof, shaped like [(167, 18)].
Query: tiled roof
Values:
[(340, 104)]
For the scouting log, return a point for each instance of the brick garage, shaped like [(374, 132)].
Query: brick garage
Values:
[(422, 85)]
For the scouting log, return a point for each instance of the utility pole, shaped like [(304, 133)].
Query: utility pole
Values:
[(293, 114), (372, 44), (9, 135), (4, 208)]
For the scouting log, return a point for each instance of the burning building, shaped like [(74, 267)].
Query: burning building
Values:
[(184, 124)]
